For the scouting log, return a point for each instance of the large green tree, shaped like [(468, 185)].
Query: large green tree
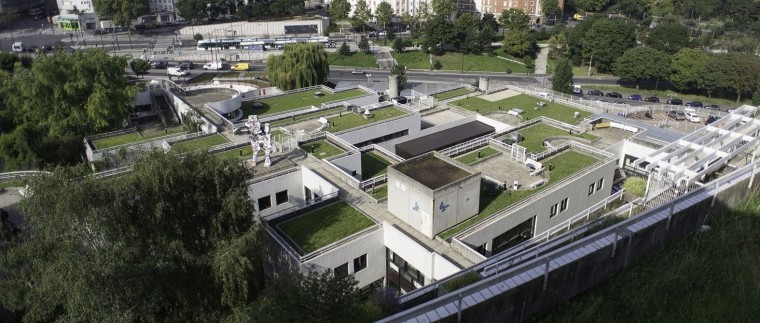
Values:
[(62, 98), (122, 12), (558, 45), (466, 30), (172, 240), (444, 8), (339, 9), (384, 14), (362, 13), (514, 19), (562, 81), (439, 32), (642, 63), (590, 5), (688, 68), (517, 44), (300, 65), (736, 72), (139, 66), (549, 7), (668, 37), (608, 39)]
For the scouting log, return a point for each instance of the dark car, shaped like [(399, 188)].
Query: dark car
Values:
[(614, 95), (98, 32), (675, 102), (48, 48), (159, 64), (676, 115), (652, 99), (400, 99), (634, 97), (186, 65), (595, 92), (712, 107), (711, 119), (695, 104)]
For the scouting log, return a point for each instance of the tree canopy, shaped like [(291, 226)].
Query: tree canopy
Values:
[(172, 240), (139, 66), (688, 68), (608, 39), (384, 13), (562, 81), (590, 5), (514, 19), (122, 12), (642, 63), (362, 12), (444, 8), (668, 37), (339, 9), (516, 44), (300, 65)]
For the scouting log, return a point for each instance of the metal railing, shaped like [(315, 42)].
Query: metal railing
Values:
[(326, 199), (388, 153), (304, 89), (342, 143), (8, 176), (372, 182), (110, 134), (467, 146)]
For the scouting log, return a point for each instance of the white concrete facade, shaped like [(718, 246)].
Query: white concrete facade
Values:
[(293, 184)]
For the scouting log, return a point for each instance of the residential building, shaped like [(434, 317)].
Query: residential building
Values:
[(76, 15)]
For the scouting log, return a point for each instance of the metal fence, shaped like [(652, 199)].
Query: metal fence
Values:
[(467, 146)]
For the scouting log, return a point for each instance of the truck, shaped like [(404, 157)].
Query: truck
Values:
[(214, 65), (176, 71)]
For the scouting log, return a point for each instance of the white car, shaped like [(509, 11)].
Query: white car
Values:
[(216, 65), (176, 71), (358, 71), (693, 117)]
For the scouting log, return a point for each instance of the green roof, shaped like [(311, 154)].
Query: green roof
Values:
[(324, 226)]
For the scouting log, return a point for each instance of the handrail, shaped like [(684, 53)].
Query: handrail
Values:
[(387, 153), (111, 134), (345, 144)]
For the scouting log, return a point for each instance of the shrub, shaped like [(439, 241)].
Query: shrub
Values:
[(636, 186)]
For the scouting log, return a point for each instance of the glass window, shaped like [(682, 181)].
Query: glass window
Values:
[(265, 203), (563, 204), (281, 197), (553, 210), (591, 189), (599, 184), (360, 263), (341, 271)]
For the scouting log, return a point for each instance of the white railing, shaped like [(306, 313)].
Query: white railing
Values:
[(111, 134), (286, 115), (500, 146), (342, 143), (467, 146), (386, 152), (169, 141), (374, 181), (550, 152), (304, 89), (21, 174), (322, 200), (301, 137)]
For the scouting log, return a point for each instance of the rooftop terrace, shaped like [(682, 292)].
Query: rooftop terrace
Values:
[(324, 226), (526, 103), (432, 171), (293, 101)]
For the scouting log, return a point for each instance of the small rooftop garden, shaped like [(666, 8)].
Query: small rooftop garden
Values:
[(534, 136), (133, 137), (294, 101), (526, 103), (200, 143), (373, 165), (322, 149), (312, 115), (451, 94), (564, 165), (324, 226), (352, 120)]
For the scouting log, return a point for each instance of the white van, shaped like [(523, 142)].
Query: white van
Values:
[(17, 47), (215, 65), (176, 71)]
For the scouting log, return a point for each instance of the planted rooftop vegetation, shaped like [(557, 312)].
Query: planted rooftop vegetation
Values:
[(477, 155), (324, 226), (134, 137), (352, 120), (294, 101), (564, 165), (373, 165), (535, 135), (245, 151), (526, 103), (200, 143), (322, 149)]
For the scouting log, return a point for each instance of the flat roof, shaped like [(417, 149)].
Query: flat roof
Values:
[(432, 171), (443, 139), (324, 226)]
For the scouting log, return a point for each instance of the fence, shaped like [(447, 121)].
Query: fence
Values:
[(110, 134), (467, 146), (345, 145), (167, 143), (372, 182)]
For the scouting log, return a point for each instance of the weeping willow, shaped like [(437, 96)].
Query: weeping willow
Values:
[(300, 65)]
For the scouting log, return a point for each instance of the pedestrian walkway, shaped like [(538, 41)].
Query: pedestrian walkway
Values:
[(542, 59), (384, 58)]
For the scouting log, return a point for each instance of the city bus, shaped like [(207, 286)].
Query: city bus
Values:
[(207, 44)]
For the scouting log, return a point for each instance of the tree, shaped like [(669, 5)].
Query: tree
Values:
[(364, 45), (344, 50), (634, 8), (421, 16), (530, 65), (122, 12), (516, 44), (642, 63), (562, 81), (384, 13), (172, 240), (139, 66), (590, 5), (197, 37), (363, 13), (549, 7), (558, 45), (607, 40), (514, 20), (339, 9), (668, 37), (439, 32), (300, 65), (756, 96), (399, 45), (485, 38), (8, 61), (688, 68), (86, 92), (400, 71), (444, 8), (735, 71), (391, 35), (466, 28), (192, 10)]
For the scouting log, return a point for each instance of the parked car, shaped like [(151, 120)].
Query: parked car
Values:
[(652, 99), (400, 99), (215, 65), (176, 71), (371, 34), (692, 117), (159, 64), (675, 102), (695, 104), (635, 97), (614, 95), (187, 65), (710, 119), (676, 115), (595, 92), (712, 107), (357, 71)]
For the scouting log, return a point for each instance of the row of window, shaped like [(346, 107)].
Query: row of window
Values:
[(387, 137), (562, 205), (266, 201), (595, 187), (359, 264)]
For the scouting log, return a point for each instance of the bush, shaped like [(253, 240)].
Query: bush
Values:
[(198, 37), (462, 281), (344, 50), (636, 186)]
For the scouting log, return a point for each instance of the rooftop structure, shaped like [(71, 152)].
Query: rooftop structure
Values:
[(443, 139)]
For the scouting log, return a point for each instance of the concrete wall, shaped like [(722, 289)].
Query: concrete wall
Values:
[(315, 183), (629, 148), (391, 144), (411, 202), (430, 264), (251, 29), (370, 243), (579, 200), (292, 182), (349, 163), (142, 98), (410, 122), (455, 203)]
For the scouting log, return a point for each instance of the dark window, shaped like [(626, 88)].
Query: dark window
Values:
[(563, 204), (341, 271), (360, 263), (265, 203), (281, 197), (599, 184), (553, 210), (591, 189)]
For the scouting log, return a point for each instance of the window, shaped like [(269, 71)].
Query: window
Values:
[(591, 189), (281, 197), (265, 203), (360, 263), (553, 210), (341, 271), (599, 184), (563, 204)]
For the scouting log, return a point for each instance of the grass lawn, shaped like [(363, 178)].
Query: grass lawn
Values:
[(476, 155), (313, 115), (352, 120), (526, 103), (535, 135), (229, 75), (720, 265), (283, 103), (379, 192), (353, 60), (664, 95), (113, 141), (324, 226), (451, 94), (200, 143), (373, 165), (453, 62), (565, 164), (321, 149), (235, 153), (13, 183), (202, 78)]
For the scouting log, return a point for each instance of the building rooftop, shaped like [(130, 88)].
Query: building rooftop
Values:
[(324, 226), (432, 171), (443, 139)]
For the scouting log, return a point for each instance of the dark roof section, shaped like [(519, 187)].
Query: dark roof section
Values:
[(432, 171), (443, 139)]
